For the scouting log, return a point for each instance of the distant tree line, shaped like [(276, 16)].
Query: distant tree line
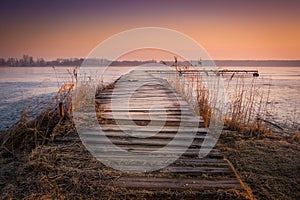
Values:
[(27, 60)]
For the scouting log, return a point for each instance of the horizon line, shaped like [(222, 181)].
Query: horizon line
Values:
[(136, 60)]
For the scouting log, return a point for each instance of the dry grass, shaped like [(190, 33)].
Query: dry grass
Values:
[(270, 166), (247, 106), (203, 101), (27, 135)]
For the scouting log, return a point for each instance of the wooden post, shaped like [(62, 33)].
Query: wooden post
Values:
[(61, 109)]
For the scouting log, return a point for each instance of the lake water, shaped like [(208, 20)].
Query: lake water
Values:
[(35, 87), (283, 84)]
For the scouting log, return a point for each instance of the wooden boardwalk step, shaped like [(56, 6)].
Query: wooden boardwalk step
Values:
[(165, 129), (197, 170), (176, 184), (142, 116), (138, 136)]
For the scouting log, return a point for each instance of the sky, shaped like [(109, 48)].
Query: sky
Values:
[(232, 29)]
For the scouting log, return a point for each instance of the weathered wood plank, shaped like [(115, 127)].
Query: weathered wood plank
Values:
[(158, 136), (155, 109), (143, 116), (144, 105), (109, 151), (177, 184), (134, 108), (140, 142), (197, 170), (164, 129)]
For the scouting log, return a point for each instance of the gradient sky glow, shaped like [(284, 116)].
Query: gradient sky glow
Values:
[(232, 29)]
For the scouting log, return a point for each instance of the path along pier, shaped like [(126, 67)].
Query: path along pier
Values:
[(172, 118)]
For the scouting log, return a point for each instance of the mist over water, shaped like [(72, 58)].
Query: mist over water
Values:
[(35, 87)]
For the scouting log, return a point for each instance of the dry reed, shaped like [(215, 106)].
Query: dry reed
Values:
[(28, 134), (247, 106)]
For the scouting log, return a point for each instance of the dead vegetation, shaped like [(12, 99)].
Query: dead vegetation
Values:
[(269, 165), (27, 135), (247, 106)]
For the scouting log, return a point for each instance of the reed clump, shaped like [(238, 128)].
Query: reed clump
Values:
[(29, 134), (193, 90), (247, 104), (247, 108)]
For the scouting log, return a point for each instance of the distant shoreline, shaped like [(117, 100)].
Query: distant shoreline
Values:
[(104, 62)]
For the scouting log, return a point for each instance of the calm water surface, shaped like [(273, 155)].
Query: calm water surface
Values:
[(23, 87)]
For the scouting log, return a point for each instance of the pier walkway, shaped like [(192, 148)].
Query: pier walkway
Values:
[(156, 115)]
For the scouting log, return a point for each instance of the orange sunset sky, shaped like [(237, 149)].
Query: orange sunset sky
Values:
[(226, 29)]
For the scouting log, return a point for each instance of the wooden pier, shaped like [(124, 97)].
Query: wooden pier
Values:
[(199, 71), (189, 172)]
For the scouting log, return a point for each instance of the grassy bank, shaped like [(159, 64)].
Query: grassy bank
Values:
[(269, 165)]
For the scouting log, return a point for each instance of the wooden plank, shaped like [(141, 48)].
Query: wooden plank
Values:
[(147, 109), (171, 118), (152, 112), (177, 184), (149, 92), (148, 112), (143, 101), (158, 159), (139, 93), (112, 152), (139, 96), (143, 104), (197, 71), (158, 136), (197, 170), (125, 93), (165, 129), (154, 122), (147, 117), (134, 108), (200, 162), (141, 142)]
